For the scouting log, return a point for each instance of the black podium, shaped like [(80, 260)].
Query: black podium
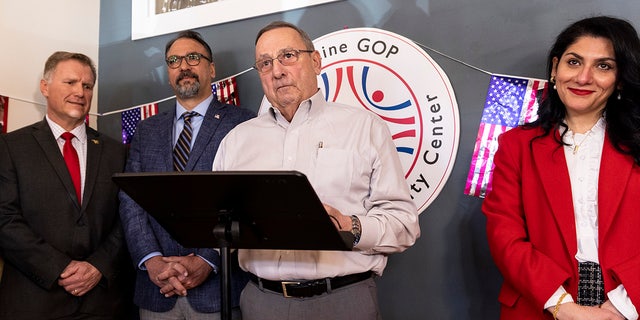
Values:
[(236, 209)]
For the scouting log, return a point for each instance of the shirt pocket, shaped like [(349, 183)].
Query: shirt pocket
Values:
[(334, 171)]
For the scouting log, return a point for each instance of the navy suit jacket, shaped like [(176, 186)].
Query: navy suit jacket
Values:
[(152, 151), (42, 227)]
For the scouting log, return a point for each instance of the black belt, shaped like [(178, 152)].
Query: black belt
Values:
[(309, 288)]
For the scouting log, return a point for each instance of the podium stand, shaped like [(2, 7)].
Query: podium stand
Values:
[(236, 209)]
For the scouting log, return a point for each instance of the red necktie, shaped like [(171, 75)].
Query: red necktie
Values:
[(73, 163)]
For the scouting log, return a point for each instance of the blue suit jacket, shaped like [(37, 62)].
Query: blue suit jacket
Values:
[(151, 151)]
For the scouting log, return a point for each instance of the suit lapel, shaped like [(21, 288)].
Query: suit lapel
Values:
[(209, 125), (165, 138), (615, 171), (94, 155), (552, 168), (160, 136), (47, 142)]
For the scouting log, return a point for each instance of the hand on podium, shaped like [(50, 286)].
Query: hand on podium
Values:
[(345, 224), (342, 222)]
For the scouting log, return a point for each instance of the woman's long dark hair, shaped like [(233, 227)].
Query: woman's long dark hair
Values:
[(622, 115)]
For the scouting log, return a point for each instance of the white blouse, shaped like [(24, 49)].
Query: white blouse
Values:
[(583, 156)]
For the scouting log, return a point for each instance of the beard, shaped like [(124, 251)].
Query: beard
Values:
[(189, 89)]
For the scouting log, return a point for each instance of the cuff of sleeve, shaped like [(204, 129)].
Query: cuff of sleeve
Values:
[(556, 296), (147, 257), (367, 232), (620, 299), (213, 266)]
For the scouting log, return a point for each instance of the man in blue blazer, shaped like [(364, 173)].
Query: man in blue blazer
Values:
[(174, 282)]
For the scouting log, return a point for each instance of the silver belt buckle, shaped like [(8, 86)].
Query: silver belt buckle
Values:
[(284, 287)]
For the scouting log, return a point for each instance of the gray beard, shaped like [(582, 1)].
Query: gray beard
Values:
[(189, 90)]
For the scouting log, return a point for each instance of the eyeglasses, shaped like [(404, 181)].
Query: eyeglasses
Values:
[(193, 59), (286, 58)]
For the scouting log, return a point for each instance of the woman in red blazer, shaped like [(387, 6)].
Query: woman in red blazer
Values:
[(563, 217)]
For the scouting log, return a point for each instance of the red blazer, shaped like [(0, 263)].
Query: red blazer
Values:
[(531, 226)]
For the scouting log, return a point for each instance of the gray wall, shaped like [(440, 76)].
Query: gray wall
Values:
[(449, 273)]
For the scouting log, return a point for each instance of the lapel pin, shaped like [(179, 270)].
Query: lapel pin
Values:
[(217, 116), (95, 141)]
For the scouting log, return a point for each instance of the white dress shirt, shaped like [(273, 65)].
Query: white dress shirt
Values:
[(348, 156)]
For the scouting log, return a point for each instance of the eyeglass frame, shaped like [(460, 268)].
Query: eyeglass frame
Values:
[(279, 57), (186, 58)]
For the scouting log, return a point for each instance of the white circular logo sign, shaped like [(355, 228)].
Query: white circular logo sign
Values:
[(391, 76)]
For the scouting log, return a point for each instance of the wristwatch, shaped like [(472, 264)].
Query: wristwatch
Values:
[(356, 229)]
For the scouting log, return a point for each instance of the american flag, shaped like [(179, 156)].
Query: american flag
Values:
[(130, 119), (510, 102), (4, 103), (226, 91)]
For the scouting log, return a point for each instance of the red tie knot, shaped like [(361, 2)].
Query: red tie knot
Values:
[(67, 136)]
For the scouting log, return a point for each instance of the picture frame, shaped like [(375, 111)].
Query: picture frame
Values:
[(148, 20)]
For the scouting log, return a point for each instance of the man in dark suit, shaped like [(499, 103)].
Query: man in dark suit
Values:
[(60, 235), (174, 282)]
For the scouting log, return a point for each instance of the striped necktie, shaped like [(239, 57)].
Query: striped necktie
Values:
[(183, 146)]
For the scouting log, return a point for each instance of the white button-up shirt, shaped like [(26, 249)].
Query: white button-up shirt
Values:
[(350, 160)]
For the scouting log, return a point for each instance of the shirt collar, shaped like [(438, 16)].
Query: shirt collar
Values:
[(201, 108), (80, 131), (304, 111), (598, 128)]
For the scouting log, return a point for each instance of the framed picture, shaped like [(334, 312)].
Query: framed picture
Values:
[(155, 17)]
